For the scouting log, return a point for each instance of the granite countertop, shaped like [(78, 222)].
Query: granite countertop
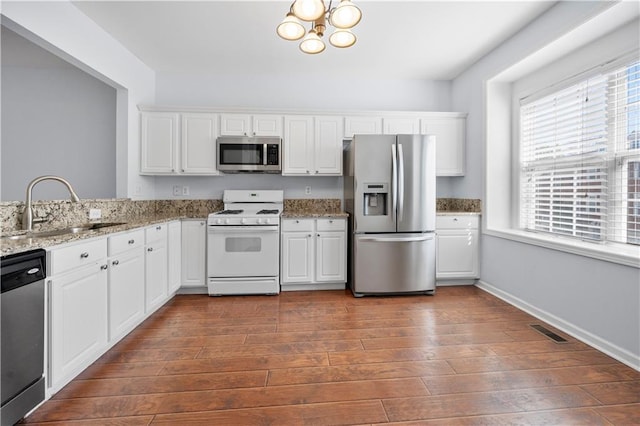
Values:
[(8, 246), (312, 208), (454, 213), (313, 213)]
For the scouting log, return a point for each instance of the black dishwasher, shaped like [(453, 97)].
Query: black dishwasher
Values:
[(22, 334)]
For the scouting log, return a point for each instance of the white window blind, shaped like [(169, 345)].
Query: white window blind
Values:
[(580, 159)]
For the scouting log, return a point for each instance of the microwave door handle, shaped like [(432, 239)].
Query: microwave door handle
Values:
[(264, 154)]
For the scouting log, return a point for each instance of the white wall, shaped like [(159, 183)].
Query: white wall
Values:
[(56, 121), (62, 29), (595, 300)]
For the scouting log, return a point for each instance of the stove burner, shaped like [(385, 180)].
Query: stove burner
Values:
[(230, 212), (266, 211)]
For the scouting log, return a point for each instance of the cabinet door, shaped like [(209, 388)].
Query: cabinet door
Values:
[(298, 145), (174, 248), (330, 256), (199, 133), (457, 254), (156, 276), (159, 139), (401, 126), (450, 143), (126, 292), (362, 126), (235, 124), (267, 125), (328, 145), (297, 257), (78, 322), (194, 237)]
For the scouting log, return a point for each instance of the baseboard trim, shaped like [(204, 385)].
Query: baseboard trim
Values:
[(584, 336)]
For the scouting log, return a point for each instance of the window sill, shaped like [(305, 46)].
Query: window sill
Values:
[(623, 254)]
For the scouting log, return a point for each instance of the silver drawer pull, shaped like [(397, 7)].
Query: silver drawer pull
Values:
[(158, 228), (131, 241), (115, 262), (84, 255), (103, 267), (33, 271), (150, 249)]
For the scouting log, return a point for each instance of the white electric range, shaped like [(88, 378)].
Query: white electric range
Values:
[(243, 243)]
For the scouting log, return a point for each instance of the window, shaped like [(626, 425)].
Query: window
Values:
[(580, 159)]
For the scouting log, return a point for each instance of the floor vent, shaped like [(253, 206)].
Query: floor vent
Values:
[(550, 334)]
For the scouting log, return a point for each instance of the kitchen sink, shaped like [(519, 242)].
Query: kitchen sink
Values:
[(65, 231)]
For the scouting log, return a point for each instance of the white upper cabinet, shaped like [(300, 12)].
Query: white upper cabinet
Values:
[(250, 125), (159, 137), (450, 143), (174, 143), (312, 145), (362, 126), (199, 133), (401, 126)]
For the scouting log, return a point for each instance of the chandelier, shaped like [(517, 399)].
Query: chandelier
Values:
[(343, 17)]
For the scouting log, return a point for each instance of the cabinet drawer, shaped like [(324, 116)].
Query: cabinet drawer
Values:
[(457, 222), (127, 241), (77, 255), (156, 233), (332, 225), (297, 225)]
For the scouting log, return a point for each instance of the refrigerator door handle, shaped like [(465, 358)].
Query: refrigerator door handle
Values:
[(400, 183), (424, 237), (394, 182)]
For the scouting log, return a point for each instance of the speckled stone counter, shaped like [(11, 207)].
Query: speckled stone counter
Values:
[(64, 214), (458, 206), (313, 208)]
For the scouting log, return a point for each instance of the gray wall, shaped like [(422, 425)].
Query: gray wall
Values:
[(597, 300), (56, 119), (327, 93)]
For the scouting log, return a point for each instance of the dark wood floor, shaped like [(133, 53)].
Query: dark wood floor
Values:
[(460, 357)]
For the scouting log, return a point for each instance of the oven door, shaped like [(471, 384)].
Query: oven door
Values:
[(243, 251)]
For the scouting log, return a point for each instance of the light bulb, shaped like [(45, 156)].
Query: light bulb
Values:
[(290, 28), (312, 44), (342, 38), (308, 10), (345, 15)]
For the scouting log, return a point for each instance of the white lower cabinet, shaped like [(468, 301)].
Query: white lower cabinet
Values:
[(174, 246), (313, 254), (194, 240), (126, 282), (78, 314), (457, 249), (156, 269)]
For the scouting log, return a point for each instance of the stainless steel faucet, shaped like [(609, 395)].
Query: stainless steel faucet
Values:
[(27, 214)]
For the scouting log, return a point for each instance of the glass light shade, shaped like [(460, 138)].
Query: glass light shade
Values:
[(308, 10), (345, 15), (312, 44), (290, 28), (342, 38)]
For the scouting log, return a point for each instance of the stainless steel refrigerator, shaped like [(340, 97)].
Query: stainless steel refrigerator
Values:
[(389, 191)]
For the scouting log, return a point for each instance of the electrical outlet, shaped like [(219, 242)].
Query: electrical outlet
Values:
[(177, 190), (185, 190), (137, 190), (307, 190), (95, 213)]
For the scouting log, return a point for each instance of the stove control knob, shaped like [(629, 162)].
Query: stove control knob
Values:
[(226, 221), (243, 221), (218, 221), (267, 221)]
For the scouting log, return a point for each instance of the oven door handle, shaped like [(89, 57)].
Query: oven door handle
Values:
[(257, 229)]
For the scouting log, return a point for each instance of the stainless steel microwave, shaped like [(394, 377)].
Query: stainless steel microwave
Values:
[(238, 154)]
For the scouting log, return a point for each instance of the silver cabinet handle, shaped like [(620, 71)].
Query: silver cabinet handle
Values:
[(201, 223), (330, 220), (308, 171), (115, 262), (309, 235), (103, 267), (84, 255), (297, 221), (455, 219), (158, 228), (150, 249), (318, 235), (131, 241)]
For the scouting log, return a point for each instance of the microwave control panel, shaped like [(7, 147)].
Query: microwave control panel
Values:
[(273, 155)]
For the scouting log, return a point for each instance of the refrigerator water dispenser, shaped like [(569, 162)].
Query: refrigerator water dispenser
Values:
[(375, 199)]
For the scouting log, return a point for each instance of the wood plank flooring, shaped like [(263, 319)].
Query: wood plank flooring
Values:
[(460, 357)]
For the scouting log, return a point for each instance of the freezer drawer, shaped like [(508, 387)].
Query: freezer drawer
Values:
[(393, 263)]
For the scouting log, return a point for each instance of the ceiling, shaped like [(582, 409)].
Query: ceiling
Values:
[(434, 40)]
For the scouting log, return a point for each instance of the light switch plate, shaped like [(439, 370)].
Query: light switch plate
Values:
[(95, 213)]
